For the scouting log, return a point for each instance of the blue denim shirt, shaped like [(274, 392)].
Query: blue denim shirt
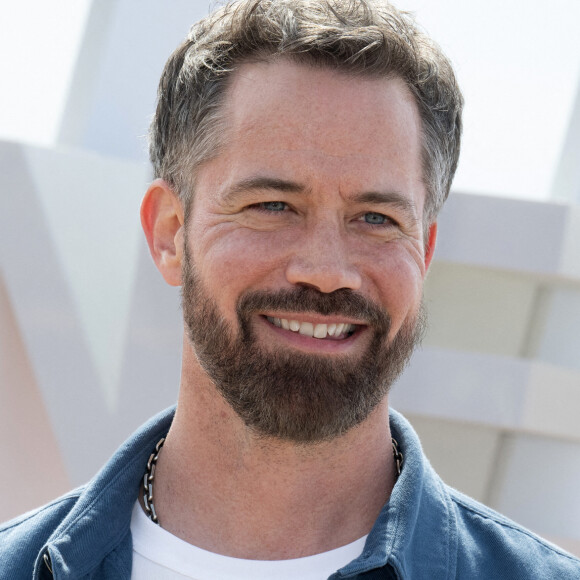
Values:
[(425, 531)]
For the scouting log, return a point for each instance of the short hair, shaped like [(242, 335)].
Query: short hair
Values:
[(360, 37)]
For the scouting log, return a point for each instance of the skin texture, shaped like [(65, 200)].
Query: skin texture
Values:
[(313, 160)]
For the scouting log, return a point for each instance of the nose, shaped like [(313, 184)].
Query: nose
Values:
[(322, 259)]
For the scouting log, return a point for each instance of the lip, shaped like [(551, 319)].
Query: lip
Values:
[(310, 344)]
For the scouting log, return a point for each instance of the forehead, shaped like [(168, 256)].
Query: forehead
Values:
[(321, 97), (297, 120)]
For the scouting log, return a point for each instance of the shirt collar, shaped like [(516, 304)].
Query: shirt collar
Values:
[(99, 521), (416, 529)]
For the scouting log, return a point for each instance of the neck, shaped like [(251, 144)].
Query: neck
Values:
[(221, 488)]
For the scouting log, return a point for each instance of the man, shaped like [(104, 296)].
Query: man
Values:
[(302, 151)]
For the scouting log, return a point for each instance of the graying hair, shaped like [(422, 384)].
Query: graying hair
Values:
[(360, 37)]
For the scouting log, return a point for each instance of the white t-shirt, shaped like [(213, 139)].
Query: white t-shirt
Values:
[(159, 555)]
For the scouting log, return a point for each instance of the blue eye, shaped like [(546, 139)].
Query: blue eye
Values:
[(375, 219), (273, 205)]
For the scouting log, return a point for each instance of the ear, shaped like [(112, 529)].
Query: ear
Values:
[(430, 245), (162, 220)]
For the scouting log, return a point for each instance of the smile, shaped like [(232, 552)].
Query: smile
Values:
[(334, 331)]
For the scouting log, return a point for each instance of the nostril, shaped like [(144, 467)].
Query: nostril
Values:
[(325, 274), (307, 285)]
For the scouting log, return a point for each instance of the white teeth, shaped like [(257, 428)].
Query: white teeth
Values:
[(320, 331), (309, 329), (306, 328)]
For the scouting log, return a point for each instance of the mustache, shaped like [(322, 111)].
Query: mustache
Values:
[(343, 302)]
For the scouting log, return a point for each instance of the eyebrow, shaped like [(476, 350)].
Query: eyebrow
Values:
[(264, 183), (392, 198)]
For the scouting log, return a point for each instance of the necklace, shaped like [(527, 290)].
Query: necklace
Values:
[(149, 476), (148, 482)]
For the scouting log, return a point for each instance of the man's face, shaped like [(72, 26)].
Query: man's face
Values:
[(304, 262)]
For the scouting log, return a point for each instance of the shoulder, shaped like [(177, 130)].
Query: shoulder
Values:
[(488, 541), (22, 538), (84, 528)]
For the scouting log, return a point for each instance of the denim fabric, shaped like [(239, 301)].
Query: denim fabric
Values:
[(426, 530)]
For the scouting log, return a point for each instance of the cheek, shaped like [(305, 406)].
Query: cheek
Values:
[(400, 284), (245, 253), (239, 261)]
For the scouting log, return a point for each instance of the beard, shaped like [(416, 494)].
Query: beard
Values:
[(285, 394)]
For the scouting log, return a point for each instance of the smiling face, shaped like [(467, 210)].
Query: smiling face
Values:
[(304, 255)]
